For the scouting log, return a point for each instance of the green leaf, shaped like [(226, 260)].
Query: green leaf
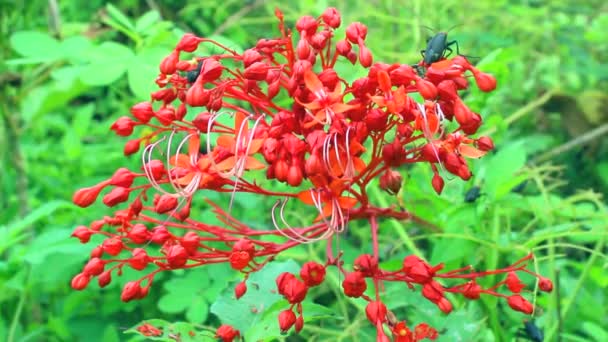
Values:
[(146, 21), (35, 44), (501, 168), (261, 294), (71, 144), (198, 310), (168, 330), (109, 62), (143, 69), (119, 17)]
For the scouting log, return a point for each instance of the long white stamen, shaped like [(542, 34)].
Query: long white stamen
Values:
[(427, 133)]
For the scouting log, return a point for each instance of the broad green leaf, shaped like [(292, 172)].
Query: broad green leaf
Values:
[(501, 168), (143, 71), (146, 21), (109, 62), (119, 17), (75, 48), (198, 310), (261, 294), (35, 45)]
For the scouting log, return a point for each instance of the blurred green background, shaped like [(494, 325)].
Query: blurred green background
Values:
[(68, 69)]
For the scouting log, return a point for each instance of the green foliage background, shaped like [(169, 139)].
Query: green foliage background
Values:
[(69, 69)]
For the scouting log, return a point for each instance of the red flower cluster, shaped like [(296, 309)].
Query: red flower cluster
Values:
[(283, 109)]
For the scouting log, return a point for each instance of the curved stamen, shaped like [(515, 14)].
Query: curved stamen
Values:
[(427, 134), (350, 166), (212, 120), (296, 235)]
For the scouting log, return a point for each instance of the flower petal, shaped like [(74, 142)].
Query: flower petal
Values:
[(470, 151)]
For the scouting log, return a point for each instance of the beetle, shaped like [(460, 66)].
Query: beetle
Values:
[(192, 75), (472, 194), (436, 48), (531, 332)]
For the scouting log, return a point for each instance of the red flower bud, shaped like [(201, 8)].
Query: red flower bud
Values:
[(307, 24), (82, 233), (312, 273), (188, 43), (116, 196), (294, 290), (197, 96), (519, 303), (354, 284), (294, 175), (139, 259), (122, 177), (344, 47), (94, 267), (211, 70), (437, 183), (143, 111), (177, 256), (426, 89), (545, 284), (445, 305), (256, 71), (166, 95), (201, 122), (513, 283), (365, 56), (366, 264), (227, 333), (160, 235), (282, 280), (165, 204), (390, 181), (165, 115), (80, 281), (331, 17), (375, 312), (131, 147), (130, 291), (433, 291), (239, 260), (356, 31), (299, 323), (303, 49), (286, 320), (240, 289), (251, 56), (168, 66), (190, 241), (447, 90), (485, 144), (244, 245), (417, 269), (123, 126), (96, 252), (471, 290), (485, 82), (112, 246), (104, 279)]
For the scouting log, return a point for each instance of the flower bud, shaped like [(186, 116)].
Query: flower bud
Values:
[(227, 333), (471, 290), (445, 305), (485, 82), (239, 260), (426, 89), (94, 267), (294, 176), (513, 283), (390, 181), (139, 259), (519, 303), (82, 233), (312, 273), (343, 47), (143, 111), (545, 284), (366, 264), (365, 56), (190, 241), (354, 284), (485, 143), (165, 115), (437, 183), (130, 291), (160, 235), (168, 66), (197, 96), (177, 256), (105, 278), (122, 177), (123, 126), (165, 204), (188, 43), (116, 196), (256, 71), (331, 17), (375, 312), (131, 147), (80, 281), (356, 31), (240, 289), (286, 320), (112, 246)]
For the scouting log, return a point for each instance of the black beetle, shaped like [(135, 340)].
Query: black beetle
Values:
[(192, 75), (473, 194), (532, 332), (436, 48)]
